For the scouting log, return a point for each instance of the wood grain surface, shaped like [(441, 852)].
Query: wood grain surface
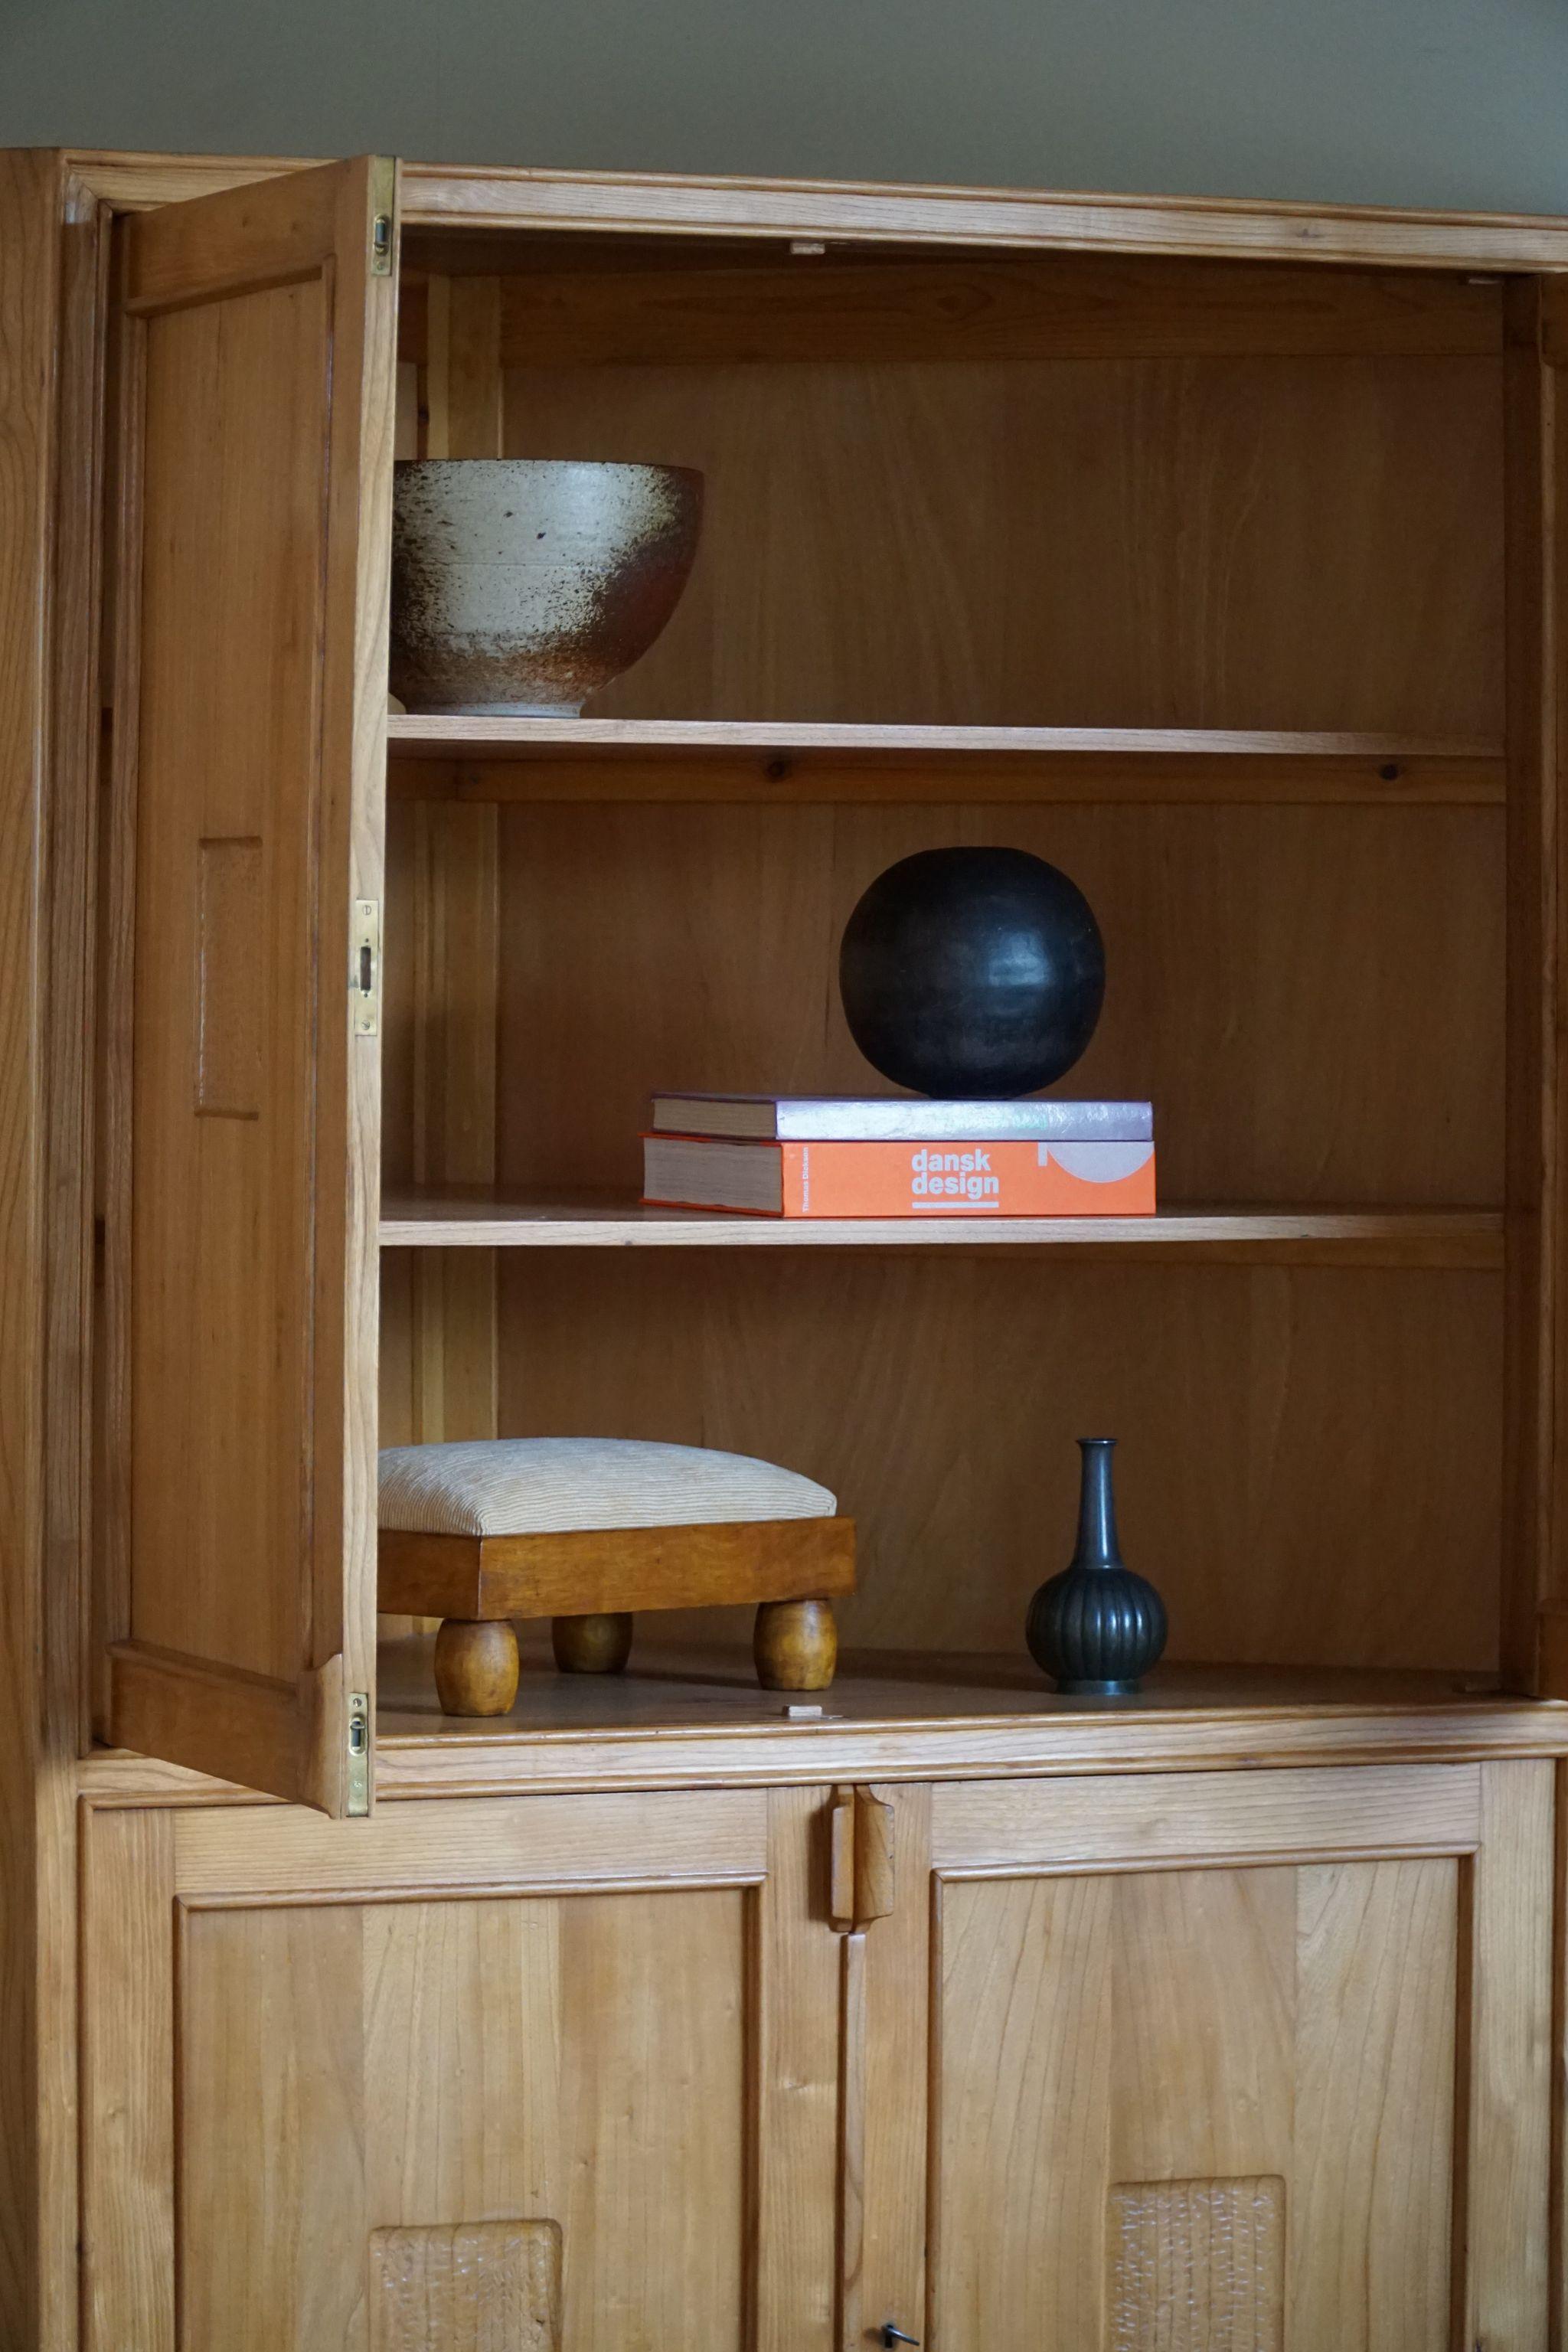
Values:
[(250, 734), (691, 1715), (587, 1570), (592, 1642), (1039, 509), (1310, 1461), (223, 1208), (783, 762), (505, 1217), (1509, 2058), (477, 197), (696, 947), (1198, 2106), (443, 922), (128, 2062), (444, 914), (795, 1644), (475, 1666), (624, 310), (35, 1744), (1537, 1418), (989, 1828), (73, 744), (1169, 543), (287, 1851), (793, 2286), (481, 197), (643, 2053), (1256, 504)]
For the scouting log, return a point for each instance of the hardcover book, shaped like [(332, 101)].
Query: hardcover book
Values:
[(857, 1118), (966, 1177)]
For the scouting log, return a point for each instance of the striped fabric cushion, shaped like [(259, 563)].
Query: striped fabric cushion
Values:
[(544, 1485)]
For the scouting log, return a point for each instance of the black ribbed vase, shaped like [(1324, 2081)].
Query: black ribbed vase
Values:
[(1097, 1626)]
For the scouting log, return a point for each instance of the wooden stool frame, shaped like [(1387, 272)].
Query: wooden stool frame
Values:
[(591, 1581)]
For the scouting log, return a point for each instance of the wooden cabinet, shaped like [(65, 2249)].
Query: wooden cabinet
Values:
[(613, 2018), (1214, 552), (1257, 2059), (1291, 725), (1182, 2061)]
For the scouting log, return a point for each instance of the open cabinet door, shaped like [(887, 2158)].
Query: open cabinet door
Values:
[(257, 362)]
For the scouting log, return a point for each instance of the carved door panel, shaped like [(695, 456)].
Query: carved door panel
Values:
[(1230, 2062), (534, 2075)]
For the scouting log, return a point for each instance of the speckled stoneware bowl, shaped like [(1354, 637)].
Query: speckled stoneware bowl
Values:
[(521, 585)]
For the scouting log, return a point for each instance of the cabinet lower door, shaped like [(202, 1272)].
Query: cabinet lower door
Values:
[(540, 2074), (1228, 2062)]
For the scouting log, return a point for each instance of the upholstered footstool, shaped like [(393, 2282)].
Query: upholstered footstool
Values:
[(588, 1531)]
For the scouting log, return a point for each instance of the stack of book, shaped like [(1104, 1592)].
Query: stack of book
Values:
[(898, 1156)]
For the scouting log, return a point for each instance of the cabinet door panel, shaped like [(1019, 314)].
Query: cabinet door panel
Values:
[(575, 2060), (257, 343), (1142, 2076), (1234, 2095), (598, 2103)]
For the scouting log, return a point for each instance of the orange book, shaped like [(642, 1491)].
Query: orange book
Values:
[(951, 1179)]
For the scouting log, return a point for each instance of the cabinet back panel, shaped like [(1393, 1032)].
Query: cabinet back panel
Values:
[(1236, 542), (1312, 998), (1241, 535), (1309, 1464)]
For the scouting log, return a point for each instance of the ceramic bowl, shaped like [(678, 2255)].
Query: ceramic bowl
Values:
[(521, 585)]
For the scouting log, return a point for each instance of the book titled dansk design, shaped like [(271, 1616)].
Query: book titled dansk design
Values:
[(1082, 1161)]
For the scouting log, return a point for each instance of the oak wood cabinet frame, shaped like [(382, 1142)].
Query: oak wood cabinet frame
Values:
[(57, 208)]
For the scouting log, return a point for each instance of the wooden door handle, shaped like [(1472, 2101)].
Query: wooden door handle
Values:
[(861, 1859)]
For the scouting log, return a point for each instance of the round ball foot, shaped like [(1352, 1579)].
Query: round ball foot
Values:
[(476, 1666), (597, 1644), (795, 1644)]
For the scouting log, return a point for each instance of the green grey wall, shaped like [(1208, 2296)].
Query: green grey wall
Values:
[(1446, 102)]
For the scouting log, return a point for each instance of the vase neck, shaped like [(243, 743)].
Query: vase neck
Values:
[(1096, 1543)]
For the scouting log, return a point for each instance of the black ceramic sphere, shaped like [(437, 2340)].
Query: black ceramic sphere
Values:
[(974, 973), (1099, 1626)]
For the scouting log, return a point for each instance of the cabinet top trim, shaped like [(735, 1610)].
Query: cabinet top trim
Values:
[(472, 196), (456, 1761)]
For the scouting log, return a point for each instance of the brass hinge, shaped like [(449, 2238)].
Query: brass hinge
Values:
[(384, 183), (359, 1753), (860, 1868), (364, 967)]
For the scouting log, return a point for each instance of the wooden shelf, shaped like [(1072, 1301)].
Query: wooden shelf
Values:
[(672, 1683), (1396, 1237), (686, 1715), (691, 1715), (721, 760)]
